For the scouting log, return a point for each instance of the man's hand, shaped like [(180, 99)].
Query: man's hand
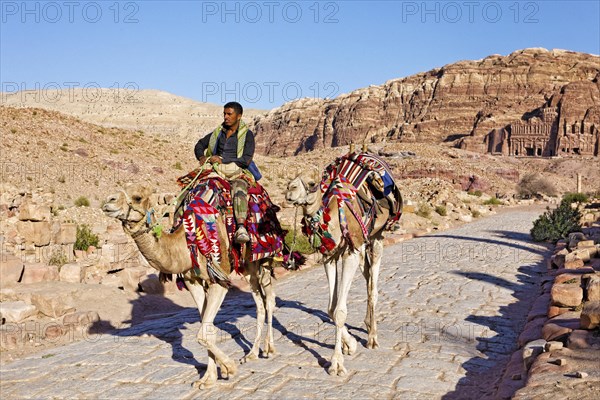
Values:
[(215, 160)]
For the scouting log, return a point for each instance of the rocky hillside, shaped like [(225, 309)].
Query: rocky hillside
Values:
[(153, 112), (444, 104)]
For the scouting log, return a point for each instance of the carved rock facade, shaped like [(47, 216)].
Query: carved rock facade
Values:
[(471, 101)]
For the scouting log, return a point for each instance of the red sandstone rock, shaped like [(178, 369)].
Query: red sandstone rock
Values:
[(590, 315), (583, 339)]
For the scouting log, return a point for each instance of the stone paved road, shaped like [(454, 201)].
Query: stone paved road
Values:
[(451, 306)]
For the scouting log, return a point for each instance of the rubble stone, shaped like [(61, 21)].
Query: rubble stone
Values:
[(16, 311), (590, 315)]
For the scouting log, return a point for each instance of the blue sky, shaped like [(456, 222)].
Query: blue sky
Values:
[(263, 53)]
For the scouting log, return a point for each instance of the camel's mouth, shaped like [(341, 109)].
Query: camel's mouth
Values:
[(111, 210)]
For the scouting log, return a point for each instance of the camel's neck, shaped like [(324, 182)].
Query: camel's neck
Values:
[(162, 253)]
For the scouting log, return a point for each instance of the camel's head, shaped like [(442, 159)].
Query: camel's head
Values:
[(304, 189), (129, 204)]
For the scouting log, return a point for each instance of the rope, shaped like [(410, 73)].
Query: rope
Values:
[(291, 256)]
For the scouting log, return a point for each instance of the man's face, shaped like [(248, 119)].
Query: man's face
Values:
[(230, 117)]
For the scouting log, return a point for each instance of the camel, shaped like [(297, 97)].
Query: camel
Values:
[(169, 254), (303, 191)]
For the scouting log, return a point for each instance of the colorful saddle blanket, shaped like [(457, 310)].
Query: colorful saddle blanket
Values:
[(364, 168), (211, 197)]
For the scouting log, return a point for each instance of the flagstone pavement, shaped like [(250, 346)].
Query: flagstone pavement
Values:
[(451, 306)]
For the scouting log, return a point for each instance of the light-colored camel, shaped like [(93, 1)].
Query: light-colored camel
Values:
[(169, 254), (304, 191)]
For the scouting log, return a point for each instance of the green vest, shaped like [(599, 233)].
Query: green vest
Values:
[(212, 143)]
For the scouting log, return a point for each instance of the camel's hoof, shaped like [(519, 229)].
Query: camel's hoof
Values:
[(228, 369), (337, 368), (204, 383), (372, 343), (349, 346), (248, 357), (269, 350)]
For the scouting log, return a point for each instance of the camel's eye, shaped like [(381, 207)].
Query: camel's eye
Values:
[(311, 184), (137, 199)]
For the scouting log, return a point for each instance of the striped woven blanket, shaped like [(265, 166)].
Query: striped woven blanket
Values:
[(211, 198), (364, 168)]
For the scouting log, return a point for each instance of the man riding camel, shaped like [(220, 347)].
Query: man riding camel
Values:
[(230, 149)]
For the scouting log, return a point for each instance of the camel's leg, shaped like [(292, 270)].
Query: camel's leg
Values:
[(252, 277), (269, 299), (331, 272), (349, 266), (207, 337), (371, 273)]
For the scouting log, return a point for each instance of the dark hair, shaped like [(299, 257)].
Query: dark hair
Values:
[(237, 107)]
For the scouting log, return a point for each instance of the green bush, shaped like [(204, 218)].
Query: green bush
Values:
[(477, 193), (424, 210), (178, 165), (58, 258), (85, 238), (82, 201), (441, 210), (493, 201), (475, 213), (556, 224), (575, 198), (302, 245)]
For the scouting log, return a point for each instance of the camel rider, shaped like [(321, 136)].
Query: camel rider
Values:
[(230, 148)]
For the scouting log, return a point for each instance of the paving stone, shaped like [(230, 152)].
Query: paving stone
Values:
[(439, 324)]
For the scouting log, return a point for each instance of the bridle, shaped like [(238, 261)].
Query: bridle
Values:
[(147, 220)]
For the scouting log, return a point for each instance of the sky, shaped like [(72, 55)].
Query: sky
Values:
[(264, 53)]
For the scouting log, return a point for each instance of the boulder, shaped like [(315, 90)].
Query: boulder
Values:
[(567, 294), (583, 339), (11, 269), (73, 273), (37, 272), (131, 276), (575, 238), (81, 318), (29, 211), (553, 311), (590, 315), (152, 285), (38, 233), (574, 264), (559, 326), (16, 311), (66, 234), (52, 304), (592, 287)]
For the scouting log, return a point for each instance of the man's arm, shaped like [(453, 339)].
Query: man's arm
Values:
[(201, 146), (247, 155)]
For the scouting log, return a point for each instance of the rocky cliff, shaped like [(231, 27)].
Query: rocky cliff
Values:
[(445, 104)]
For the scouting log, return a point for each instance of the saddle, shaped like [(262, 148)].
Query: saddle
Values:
[(372, 178), (206, 198)]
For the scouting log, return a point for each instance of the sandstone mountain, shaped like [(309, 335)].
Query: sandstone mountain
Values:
[(153, 112), (441, 105)]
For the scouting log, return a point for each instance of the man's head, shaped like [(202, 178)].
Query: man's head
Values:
[(232, 114)]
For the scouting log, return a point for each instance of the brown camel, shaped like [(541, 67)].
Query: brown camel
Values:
[(169, 254), (366, 253)]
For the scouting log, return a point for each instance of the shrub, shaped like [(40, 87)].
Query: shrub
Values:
[(82, 201), (178, 165), (58, 258), (535, 185), (493, 201), (302, 245), (85, 238), (477, 193), (441, 210), (556, 224), (424, 210), (475, 213), (575, 198)]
